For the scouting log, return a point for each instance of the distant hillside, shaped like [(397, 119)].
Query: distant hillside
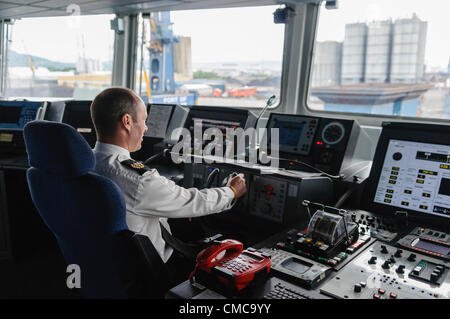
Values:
[(17, 59)]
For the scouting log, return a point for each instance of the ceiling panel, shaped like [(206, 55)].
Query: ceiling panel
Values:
[(28, 8), (60, 3), (18, 11)]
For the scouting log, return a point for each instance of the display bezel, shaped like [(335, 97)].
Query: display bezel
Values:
[(410, 132)]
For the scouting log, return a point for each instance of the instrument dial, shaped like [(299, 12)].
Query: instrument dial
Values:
[(333, 133)]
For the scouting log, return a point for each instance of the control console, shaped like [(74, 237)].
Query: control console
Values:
[(387, 272), (324, 143), (428, 241)]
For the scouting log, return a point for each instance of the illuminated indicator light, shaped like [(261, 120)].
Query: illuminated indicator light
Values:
[(394, 173), (395, 168), (392, 182), (319, 143), (291, 163), (405, 203), (427, 172), (388, 196), (389, 191), (444, 166), (420, 181), (387, 200), (393, 177), (426, 194), (407, 191)]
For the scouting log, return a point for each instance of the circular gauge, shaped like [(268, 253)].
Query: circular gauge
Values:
[(397, 156), (333, 133)]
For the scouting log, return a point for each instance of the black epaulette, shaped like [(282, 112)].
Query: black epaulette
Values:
[(136, 166)]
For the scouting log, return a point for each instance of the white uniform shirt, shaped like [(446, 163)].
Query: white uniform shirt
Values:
[(151, 198)]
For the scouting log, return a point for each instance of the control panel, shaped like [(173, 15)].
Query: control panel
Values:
[(296, 268), (268, 197), (325, 143), (374, 225), (428, 241), (387, 272), (13, 117), (274, 197)]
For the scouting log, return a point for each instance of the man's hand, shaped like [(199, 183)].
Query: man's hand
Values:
[(238, 183)]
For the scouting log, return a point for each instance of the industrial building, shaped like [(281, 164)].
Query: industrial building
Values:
[(327, 64), (374, 52)]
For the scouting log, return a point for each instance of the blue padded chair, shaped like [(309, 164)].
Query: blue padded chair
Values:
[(86, 213)]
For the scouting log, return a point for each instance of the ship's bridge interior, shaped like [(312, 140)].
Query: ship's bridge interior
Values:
[(263, 150)]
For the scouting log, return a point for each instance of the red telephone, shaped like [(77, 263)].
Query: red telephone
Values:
[(230, 264)]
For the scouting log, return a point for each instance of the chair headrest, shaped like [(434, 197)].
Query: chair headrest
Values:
[(57, 148)]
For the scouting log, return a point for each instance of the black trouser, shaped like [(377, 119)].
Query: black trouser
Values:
[(179, 268)]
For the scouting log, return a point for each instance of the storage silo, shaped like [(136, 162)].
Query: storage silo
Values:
[(354, 53), (408, 50), (378, 51), (327, 64)]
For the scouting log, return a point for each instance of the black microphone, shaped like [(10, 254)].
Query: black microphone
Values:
[(269, 103)]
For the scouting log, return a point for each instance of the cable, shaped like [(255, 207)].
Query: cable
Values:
[(344, 197), (313, 168)]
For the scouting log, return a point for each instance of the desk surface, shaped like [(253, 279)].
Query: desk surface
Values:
[(14, 162)]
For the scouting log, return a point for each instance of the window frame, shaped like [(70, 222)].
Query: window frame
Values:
[(363, 118), (279, 107)]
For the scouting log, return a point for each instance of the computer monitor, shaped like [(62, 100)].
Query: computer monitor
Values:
[(411, 171), (222, 118), (78, 115), (14, 115), (327, 144)]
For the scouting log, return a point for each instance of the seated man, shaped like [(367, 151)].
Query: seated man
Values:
[(119, 117)]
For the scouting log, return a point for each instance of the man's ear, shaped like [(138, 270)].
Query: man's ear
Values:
[(126, 121)]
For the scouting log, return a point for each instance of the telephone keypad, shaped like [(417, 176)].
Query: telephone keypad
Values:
[(235, 265)]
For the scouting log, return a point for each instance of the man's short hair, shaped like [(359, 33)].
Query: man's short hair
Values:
[(109, 106)]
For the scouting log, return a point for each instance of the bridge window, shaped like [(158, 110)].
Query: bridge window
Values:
[(62, 57), (383, 57), (214, 57)]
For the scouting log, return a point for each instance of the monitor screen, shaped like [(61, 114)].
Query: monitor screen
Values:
[(158, 120), (295, 133), (10, 114), (415, 176), (224, 119), (290, 132)]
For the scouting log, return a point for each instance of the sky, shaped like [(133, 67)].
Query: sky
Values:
[(227, 35)]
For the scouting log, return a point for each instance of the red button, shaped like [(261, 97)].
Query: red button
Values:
[(375, 296), (393, 296), (381, 291)]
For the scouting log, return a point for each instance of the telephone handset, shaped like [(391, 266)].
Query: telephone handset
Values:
[(230, 265)]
